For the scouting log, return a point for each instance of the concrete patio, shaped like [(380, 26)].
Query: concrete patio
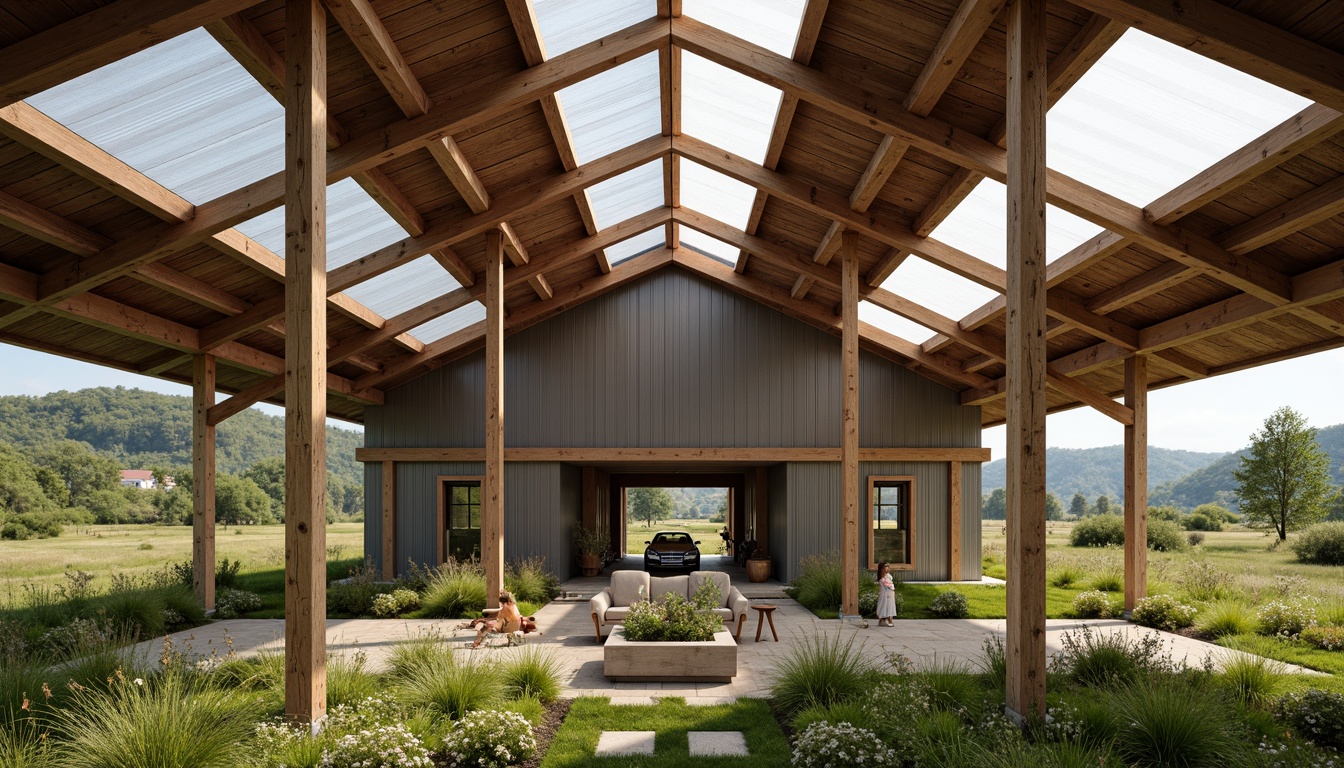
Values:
[(566, 628)]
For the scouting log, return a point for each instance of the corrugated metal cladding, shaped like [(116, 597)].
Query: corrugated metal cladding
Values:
[(541, 508), (813, 503), (671, 361)]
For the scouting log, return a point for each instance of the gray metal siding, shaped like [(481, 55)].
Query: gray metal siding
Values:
[(970, 521), (672, 361)]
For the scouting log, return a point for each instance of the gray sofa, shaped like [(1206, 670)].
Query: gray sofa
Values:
[(611, 604)]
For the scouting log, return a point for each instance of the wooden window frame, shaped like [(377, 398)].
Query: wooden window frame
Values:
[(441, 531), (873, 480)]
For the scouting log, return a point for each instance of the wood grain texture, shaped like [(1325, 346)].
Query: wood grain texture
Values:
[(1136, 481), (390, 520), (849, 431), (203, 480), (492, 490)]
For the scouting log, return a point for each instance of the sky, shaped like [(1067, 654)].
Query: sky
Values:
[(1216, 414)]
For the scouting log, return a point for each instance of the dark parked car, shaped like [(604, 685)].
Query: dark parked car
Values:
[(672, 550)]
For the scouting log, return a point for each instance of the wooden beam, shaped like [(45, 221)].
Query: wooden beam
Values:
[(362, 25), (1026, 357), (390, 520), (849, 430), (454, 265), (1238, 40), (492, 489), (683, 455), (954, 521), (98, 37), (246, 398), (1136, 481), (33, 221), (203, 480), (1089, 396), (1324, 202), (305, 201)]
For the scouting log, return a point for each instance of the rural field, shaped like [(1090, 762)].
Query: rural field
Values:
[(703, 531)]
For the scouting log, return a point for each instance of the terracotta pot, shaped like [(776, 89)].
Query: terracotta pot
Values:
[(590, 565), (758, 570)]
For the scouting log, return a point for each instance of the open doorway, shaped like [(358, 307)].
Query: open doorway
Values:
[(677, 518)]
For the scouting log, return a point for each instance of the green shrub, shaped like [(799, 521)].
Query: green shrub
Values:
[(859, 714), (355, 597), (455, 590), (674, 618), (1165, 536), (490, 740), (1097, 658), (408, 655), (452, 689), (165, 722), (1194, 538), (1316, 714), (1251, 679), (137, 614), (1093, 604), (1326, 638), (820, 582), (348, 682), (951, 685), (181, 609), (950, 605), (1216, 512), (21, 684), (533, 673), (1099, 531), (822, 743), (1322, 544), (1287, 618), (1173, 724), (822, 670), (24, 746), (1163, 612), (1173, 514), (1065, 576), (1205, 581), (529, 579), (1226, 617), (390, 605), (994, 662), (232, 603), (1110, 579), (1197, 521)]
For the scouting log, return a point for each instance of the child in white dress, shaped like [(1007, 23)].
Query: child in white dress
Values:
[(886, 598)]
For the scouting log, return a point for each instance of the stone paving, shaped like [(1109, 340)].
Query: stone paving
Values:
[(567, 629)]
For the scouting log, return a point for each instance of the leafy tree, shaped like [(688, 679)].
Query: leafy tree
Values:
[(1054, 508), (1284, 481), (269, 475), (1103, 505), (1165, 513), (20, 487), (1216, 512), (1078, 507), (995, 505), (83, 471), (650, 504), (238, 501), (107, 505), (1337, 505), (174, 507)]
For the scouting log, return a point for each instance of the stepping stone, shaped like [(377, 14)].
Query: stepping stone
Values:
[(709, 743), (612, 743)]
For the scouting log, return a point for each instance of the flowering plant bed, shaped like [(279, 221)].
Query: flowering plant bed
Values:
[(703, 661)]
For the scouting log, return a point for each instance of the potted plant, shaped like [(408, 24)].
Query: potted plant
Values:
[(590, 547), (672, 639), (758, 566)]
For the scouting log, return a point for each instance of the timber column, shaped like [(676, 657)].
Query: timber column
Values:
[(305, 361), (1026, 357), (492, 490), (203, 479), (849, 437), (1136, 482)]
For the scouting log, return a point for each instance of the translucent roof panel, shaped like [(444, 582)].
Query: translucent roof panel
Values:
[(183, 113), (770, 24), (727, 109), (893, 323), (628, 194), (450, 323), (710, 246), (405, 287), (641, 243), (932, 286), (568, 24), (979, 226), (1149, 115), (614, 109), (356, 225), (711, 193)]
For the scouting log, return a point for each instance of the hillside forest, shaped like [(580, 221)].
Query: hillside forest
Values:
[(61, 456)]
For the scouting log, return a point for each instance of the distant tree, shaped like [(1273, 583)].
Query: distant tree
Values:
[(1165, 513), (1284, 478), (20, 486), (83, 471), (269, 475), (174, 507), (1078, 507), (721, 514), (650, 504), (1216, 512), (1103, 505), (107, 505), (1337, 505), (1054, 508), (995, 505), (238, 501)]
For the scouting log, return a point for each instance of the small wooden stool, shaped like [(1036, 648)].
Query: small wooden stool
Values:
[(764, 613)]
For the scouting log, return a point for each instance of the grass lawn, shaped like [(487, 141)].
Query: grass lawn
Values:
[(670, 718), (703, 531), (1290, 651)]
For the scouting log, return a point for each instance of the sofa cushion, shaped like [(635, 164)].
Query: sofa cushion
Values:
[(661, 585), (625, 587), (724, 613), (720, 579), (616, 614)]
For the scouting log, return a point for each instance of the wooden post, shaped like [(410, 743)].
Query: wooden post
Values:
[(1026, 357), (305, 361), (954, 521), (1136, 481), (849, 436), (390, 520), (492, 490), (203, 480)]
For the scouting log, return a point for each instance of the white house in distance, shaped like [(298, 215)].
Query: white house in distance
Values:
[(138, 478)]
